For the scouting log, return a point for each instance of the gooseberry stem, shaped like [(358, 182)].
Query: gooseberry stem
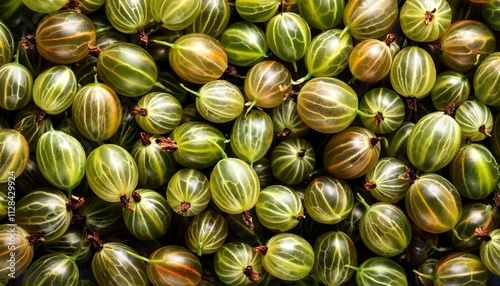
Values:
[(346, 29), (162, 87), (164, 43), (428, 276), (80, 245), (223, 153), (252, 104), (190, 90), (302, 79), (352, 267), (363, 202)]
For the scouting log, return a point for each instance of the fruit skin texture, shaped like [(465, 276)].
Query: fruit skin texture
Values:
[(433, 203), (370, 19), (418, 26), (434, 133)]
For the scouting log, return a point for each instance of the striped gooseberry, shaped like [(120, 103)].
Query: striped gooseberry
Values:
[(6, 44), (127, 16), (197, 58), (41, 271), (489, 250), (327, 105), (23, 249), (257, 11), (47, 211), (384, 228), (413, 72), (351, 153), (323, 14), (379, 271), (148, 214), (386, 180), (450, 86), (127, 68), (54, 89), (288, 36), (465, 44), (370, 60), (206, 232), (474, 171), (386, 110), (174, 265), (61, 159), (64, 37), (293, 160), (14, 154), (287, 122), (175, 15), (245, 44), (97, 111), (287, 256), (188, 192), (433, 203), (213, 18), (251, 135), (115, 263), (111, 173), (219, 101), (328, 200), (370, 19), (458, 268), (398, 139), (16, 84), (476, 218), (45, 7), (279, 208), (333, 251), (433, 133), (191, 144), (425, 20), (32, 123), (158, 112), (486, 81), (155, 166), (475, 120), (267, 83), (236, 263), (100, 216), (327, 55)]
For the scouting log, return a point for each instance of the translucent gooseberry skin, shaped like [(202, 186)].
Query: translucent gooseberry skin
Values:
[(64, 37)]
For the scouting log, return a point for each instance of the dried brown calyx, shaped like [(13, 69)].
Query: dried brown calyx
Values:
[(40, 116), (143, 36), (145, 139), (436, 46), (36, 238), (379, 117), (28, 43), (248, 219), (410, 175), (412, 103), (139, 111), (370, 185), (302, 152), (184, 207), (136, 196), (125, 200), (482, 130), (75, 203), (482, 233), (374, 141), (285, 133), (292, 95), (251, 274), (261, 249), (95, 240), (450, 109), (94, 50), (167, 144), (429, 15)]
